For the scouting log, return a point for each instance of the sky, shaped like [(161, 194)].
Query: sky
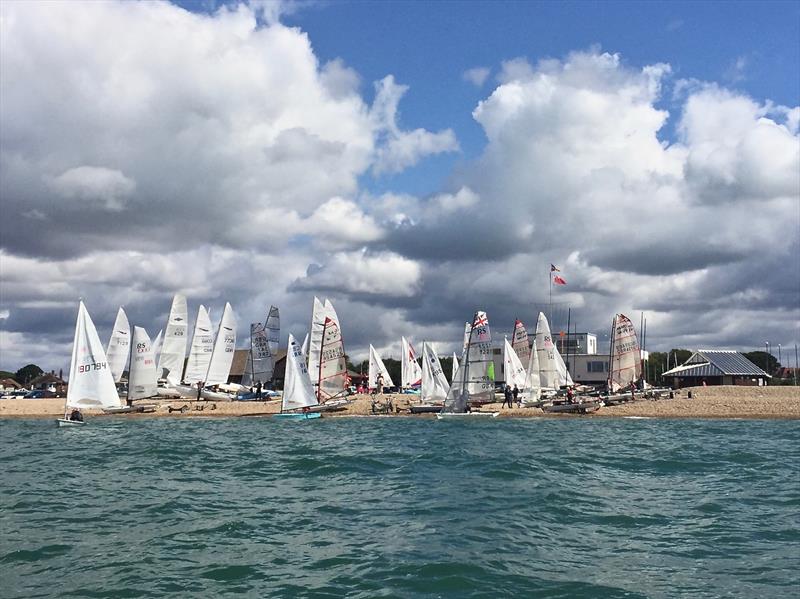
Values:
[(411, 161)]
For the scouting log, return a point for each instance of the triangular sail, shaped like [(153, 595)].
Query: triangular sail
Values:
[(377, 367), (410, 371), (626, 364), (467, 330), (304, 349), (520, 342), (200, 351), (333, 364), (119, 345), (548, 371), (434, 383), (222, 357), (297, 389), (454, 367), (173, 351), (142, 378), (512, 367), (90, 381), (564, 377), (475, 378)]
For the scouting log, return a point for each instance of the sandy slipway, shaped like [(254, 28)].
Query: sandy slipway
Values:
[(706, 402)]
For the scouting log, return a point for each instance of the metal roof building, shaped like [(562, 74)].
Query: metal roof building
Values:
[(717, 367)]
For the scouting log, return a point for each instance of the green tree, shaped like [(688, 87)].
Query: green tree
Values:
[(766, 362), (27, 373)]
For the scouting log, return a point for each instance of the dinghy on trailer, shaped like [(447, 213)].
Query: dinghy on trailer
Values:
[(91, 384), (475, 379), (298, 392)]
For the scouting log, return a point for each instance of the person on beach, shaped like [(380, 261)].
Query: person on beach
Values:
[(258, 391), (379, 385), (200, 385), (507, 397), (515, 393), (570, 395), (633, 391)]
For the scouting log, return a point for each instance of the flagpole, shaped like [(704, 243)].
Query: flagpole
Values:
[(550, 278)]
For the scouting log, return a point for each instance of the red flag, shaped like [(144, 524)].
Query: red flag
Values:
[(558, 280), (554, 268)]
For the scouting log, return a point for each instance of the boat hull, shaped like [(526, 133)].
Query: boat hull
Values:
[(573, 408), (298, 416), (425, 409), (454, 416), (68, 422)]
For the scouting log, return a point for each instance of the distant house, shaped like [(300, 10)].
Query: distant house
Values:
[(239, 365), (49, 381), (9, 384), (716, 367)]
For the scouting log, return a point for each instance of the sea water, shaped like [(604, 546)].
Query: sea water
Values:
[(363, 507)]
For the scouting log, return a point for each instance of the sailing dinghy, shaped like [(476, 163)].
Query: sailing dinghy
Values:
[(410, 370), (173, 350), (298, 392), (376, 367), (142, 377), (475, 378), (118, 345), (91, 384), (434, 387)]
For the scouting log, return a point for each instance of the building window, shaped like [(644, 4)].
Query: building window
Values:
[(597, 366)]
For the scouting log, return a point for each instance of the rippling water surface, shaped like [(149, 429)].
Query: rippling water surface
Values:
[(367, 507)]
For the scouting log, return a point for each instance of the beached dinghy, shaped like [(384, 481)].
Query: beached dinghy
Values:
[(219, 367), (298, 392), (91, 384), (173, 348), (475, 378), (142, 382), (434, 387)]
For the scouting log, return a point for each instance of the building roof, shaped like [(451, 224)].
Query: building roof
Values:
[(6, 383), (715, 362), (240, 357)]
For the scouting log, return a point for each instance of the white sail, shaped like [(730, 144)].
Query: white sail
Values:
[(564, 377), (142, 378), (410, 371), (157, 347), (315, 339), (200, 351), (546, 350), (377, 367), (333, 364), (434, 383), (304, 349), (173, 351), (512, 367), (298, 392), (454, 367), (532, 389), (475, 378), (90, 381), (467, 330), (626, 363), (119, 345), (520, 342), (222, 357), (260, 363)]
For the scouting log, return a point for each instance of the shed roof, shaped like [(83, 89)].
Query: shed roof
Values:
[(716, 362)]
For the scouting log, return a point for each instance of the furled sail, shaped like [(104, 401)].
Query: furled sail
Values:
[(90, 381), (142, 377), (173, 350), (200, 351), (410, 371), (119, 345), (377, 367), (222, 357), (297, 389), (626, 360), (434, 383)]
